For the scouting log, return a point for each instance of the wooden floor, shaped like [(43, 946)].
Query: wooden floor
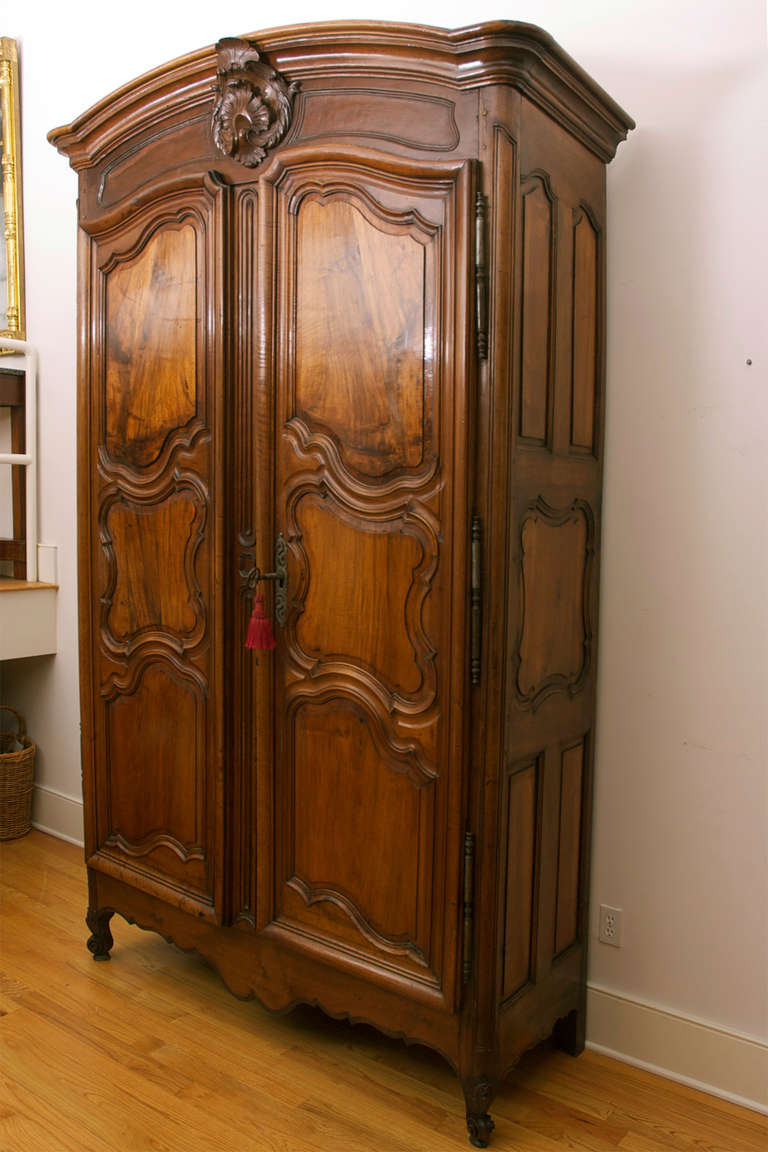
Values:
[(150, 1053)]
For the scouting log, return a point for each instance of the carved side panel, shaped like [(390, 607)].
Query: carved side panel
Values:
[(569, 846), (556, 596), (151, 352), (586, 332), (537, 348), (520, 843), (372, 274), (553, 499)]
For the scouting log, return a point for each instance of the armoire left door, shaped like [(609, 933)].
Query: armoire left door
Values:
[(151, 541)]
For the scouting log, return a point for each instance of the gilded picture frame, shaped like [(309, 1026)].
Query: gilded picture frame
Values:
[(12, 317)]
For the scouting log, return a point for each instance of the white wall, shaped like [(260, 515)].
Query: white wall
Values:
[(681, 833)]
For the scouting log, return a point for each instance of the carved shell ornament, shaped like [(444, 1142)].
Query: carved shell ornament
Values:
[(253, 103)]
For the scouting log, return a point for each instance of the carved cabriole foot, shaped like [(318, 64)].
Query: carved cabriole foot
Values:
[(478, 1095), (479, 1128), (101, 940)]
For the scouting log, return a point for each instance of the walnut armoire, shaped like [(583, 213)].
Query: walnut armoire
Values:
[(341, 362)]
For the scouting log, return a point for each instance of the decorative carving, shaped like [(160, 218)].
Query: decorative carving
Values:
[(152, 842), (128, 618), (478, 1095), (326, 447), (406, 757), (279, 1000), (100, 940), (517, 55), (116, 686), (480, 1126), (312, 497), (253, 103), (186, 439), (340, 184), (312, 895)]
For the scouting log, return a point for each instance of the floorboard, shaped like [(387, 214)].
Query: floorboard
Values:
[(150, 1053)]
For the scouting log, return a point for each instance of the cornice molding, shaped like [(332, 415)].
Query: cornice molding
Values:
[(503, 52)]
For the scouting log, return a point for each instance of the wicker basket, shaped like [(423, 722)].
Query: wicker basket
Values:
[(17, 767)]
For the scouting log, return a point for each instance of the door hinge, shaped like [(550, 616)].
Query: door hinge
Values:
[(481, 277), (475, 600), (469, 895)]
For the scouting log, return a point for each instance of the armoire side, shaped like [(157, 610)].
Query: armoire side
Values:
[(342, 366)]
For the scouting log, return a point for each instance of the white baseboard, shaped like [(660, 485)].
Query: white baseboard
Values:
[(58, 814), (693, 1052)]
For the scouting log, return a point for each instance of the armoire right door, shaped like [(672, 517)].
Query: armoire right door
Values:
[(370, 337)]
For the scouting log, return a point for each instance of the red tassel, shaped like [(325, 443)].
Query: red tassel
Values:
[(260, 635)]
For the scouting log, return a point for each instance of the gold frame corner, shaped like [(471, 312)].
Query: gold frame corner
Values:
[(10, 165)]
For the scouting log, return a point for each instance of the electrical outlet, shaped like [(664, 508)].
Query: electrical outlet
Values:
[(609, 930)]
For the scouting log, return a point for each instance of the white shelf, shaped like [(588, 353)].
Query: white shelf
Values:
[(27, 618)]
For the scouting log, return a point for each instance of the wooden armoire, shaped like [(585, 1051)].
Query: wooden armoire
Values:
[(341, 366)]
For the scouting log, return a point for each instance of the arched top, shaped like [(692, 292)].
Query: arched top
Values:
[(503, 52)]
